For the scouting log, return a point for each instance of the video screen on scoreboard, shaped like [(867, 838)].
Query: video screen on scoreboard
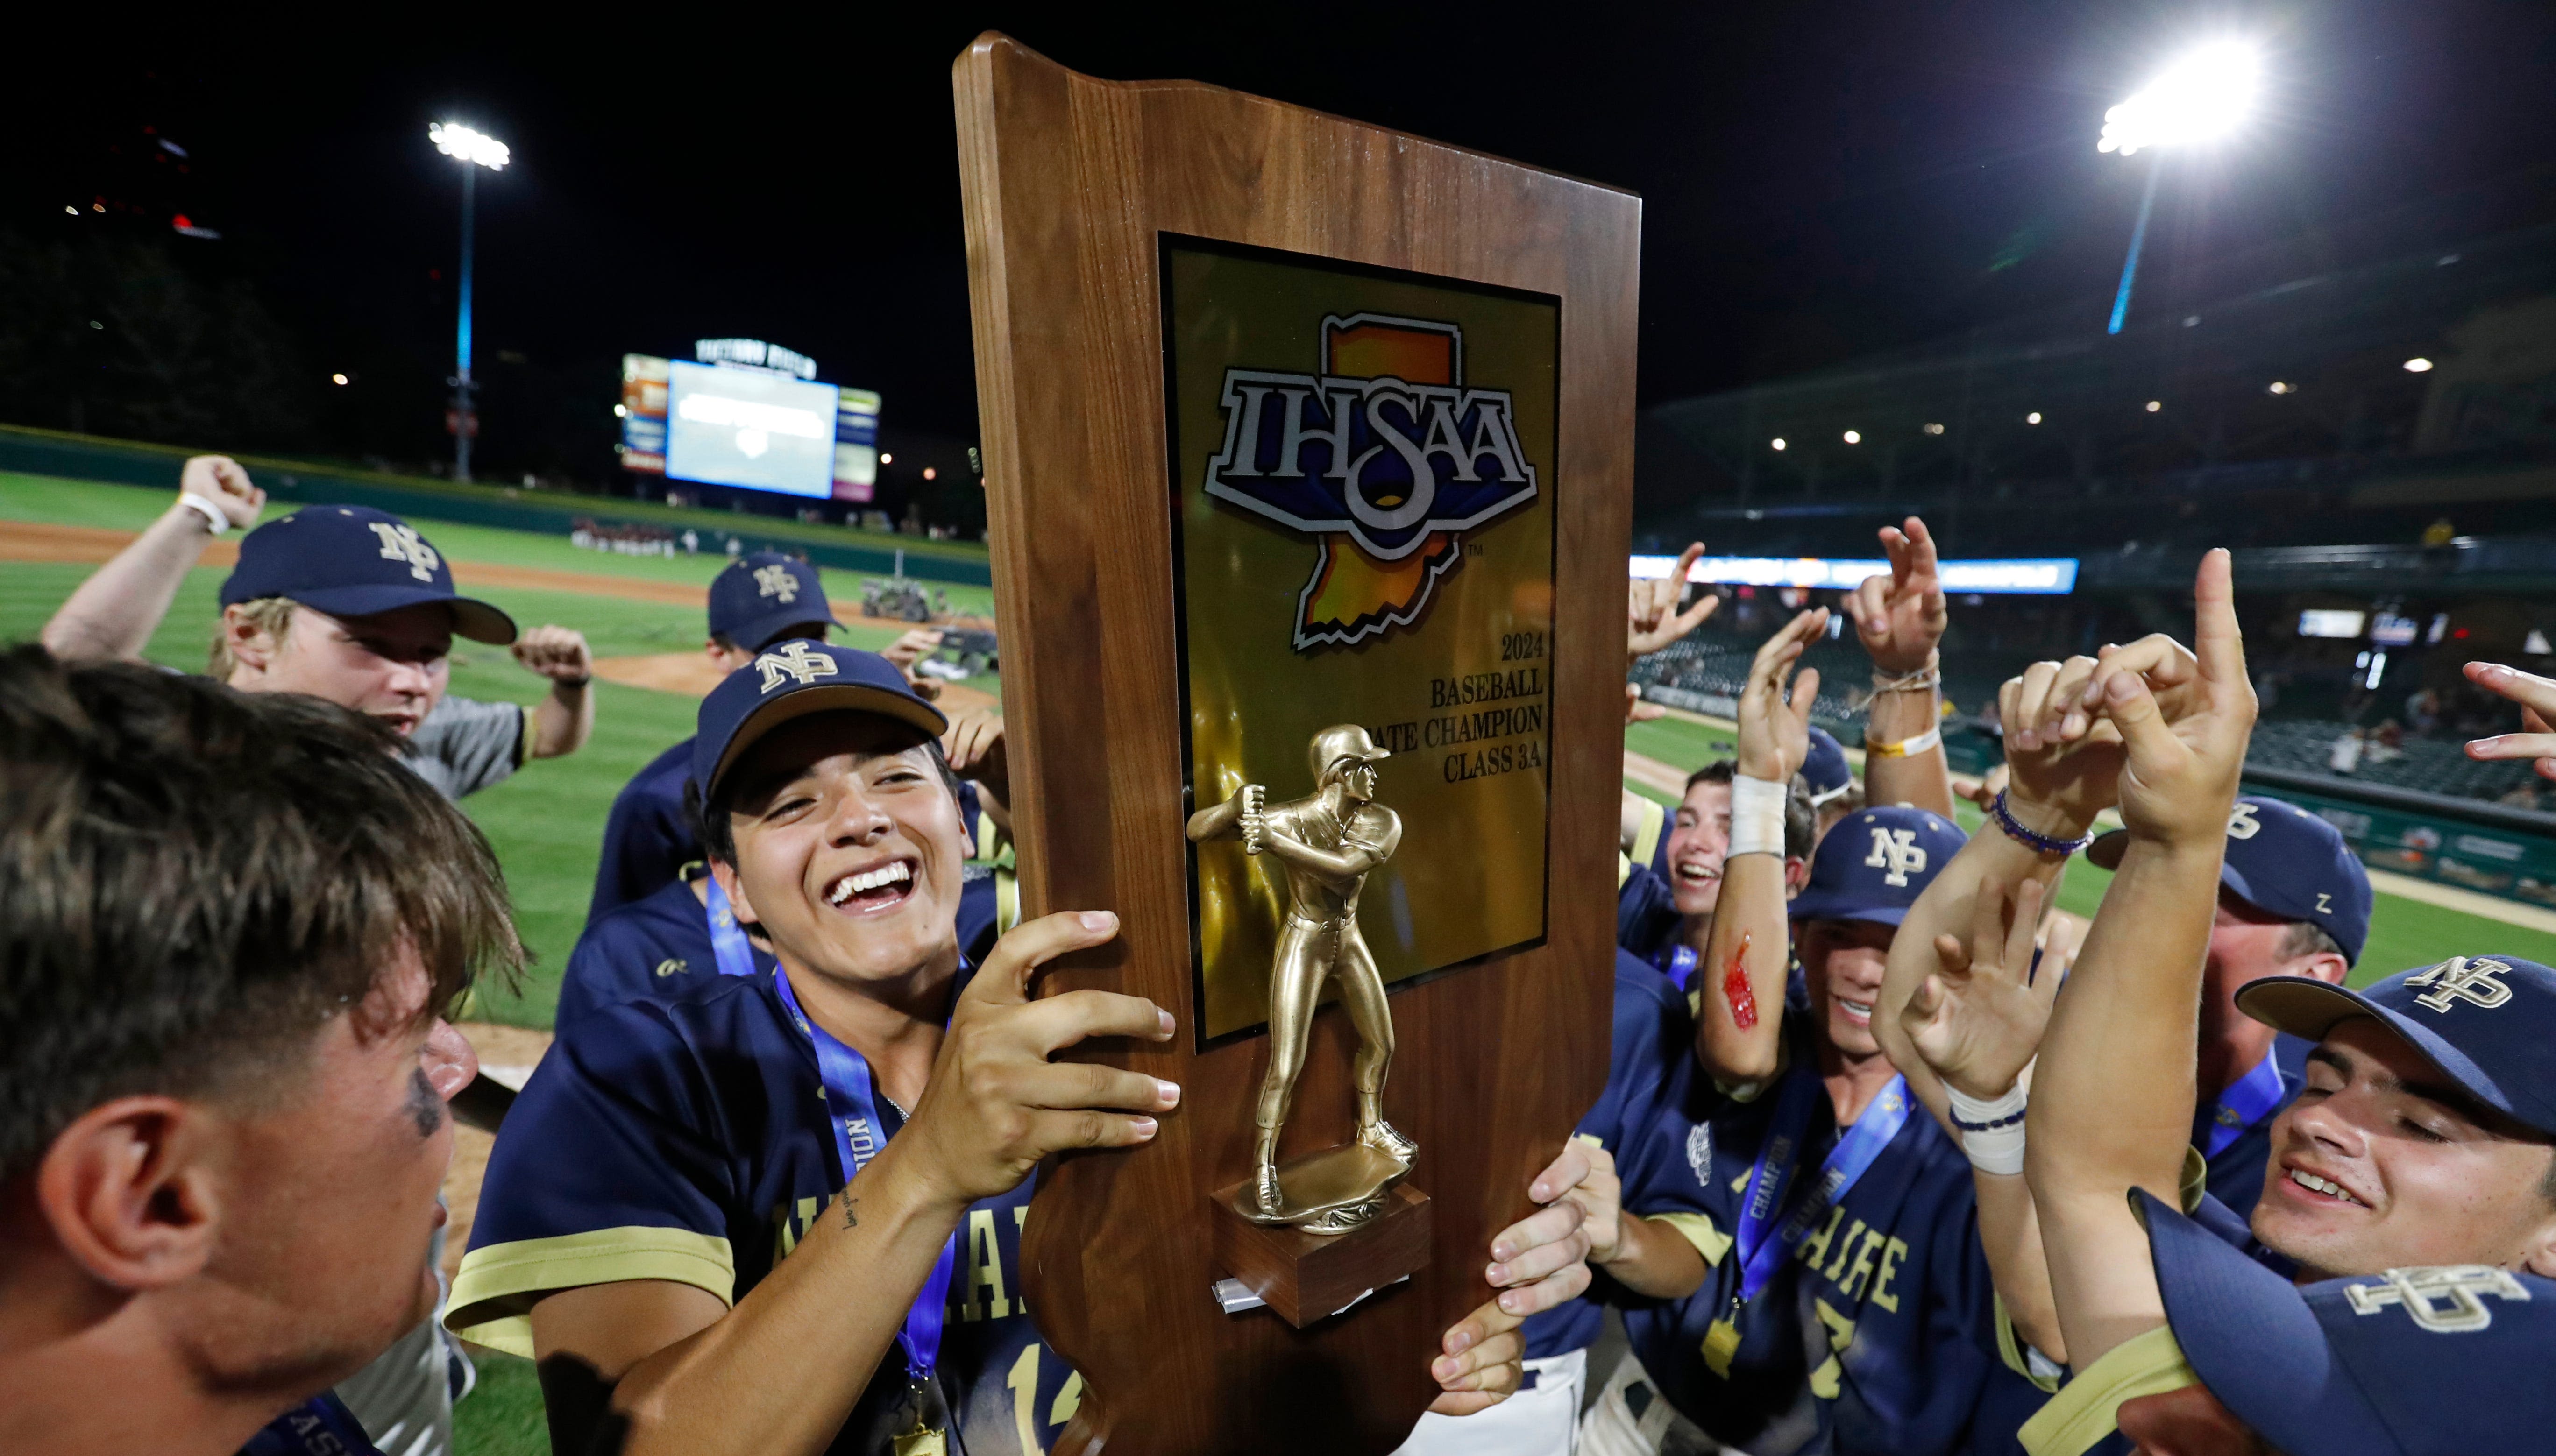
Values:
[(745, 428)]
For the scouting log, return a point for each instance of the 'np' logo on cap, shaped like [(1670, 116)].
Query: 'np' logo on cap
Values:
[(2462, 979), (1897, 848), (2447, 1300), (798, 661), (776, 580), (402, 543)]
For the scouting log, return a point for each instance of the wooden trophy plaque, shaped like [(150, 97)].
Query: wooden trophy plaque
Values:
[(1295, 428)]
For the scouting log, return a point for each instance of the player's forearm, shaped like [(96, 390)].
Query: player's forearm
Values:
[(114, 614), (2010, 1235), (2112, 1098), (781, 1372), (1740, 1021), (1922, 779), (1654, 1259), (564, 720)]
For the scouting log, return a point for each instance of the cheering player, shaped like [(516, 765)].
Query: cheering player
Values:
[(782, 1213)]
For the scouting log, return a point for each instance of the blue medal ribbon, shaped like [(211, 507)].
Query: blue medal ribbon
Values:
[(1764, 1245), (853, 1116), (319, 1426), (1680, 962), (736, 953), (2248, 1101)]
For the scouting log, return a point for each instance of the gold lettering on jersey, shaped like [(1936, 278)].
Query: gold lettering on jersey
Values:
[(1892, 1251), (1815, 1248), (1861, 1271), (985, 1269), (1069, 1399), (1829, 1379), (1021, 1306), (1845, 1251)]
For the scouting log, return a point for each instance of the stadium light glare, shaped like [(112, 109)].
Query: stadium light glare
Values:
[(1777, 442), (460, 143), (887, 459), (2202, 96), (1854, 437), (1934, 428), (2282, 387), (336, 379), (2418, 365), (2032, 418), (2155, 405)]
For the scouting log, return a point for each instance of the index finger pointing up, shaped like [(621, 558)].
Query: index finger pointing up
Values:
[(2218, 644)]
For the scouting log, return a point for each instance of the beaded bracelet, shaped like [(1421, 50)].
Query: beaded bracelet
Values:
[(2042, 843)]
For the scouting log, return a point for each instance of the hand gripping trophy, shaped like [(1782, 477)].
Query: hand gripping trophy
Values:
[(1328, 843)]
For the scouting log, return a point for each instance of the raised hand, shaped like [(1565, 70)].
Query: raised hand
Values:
[(1976, 1023), (559, 654), (220, 481), (2537, 698), (2062, 763), (1654, 621), (974, 743), (995, 1104), (1900, 617), (1775, 730), (2184, 719)]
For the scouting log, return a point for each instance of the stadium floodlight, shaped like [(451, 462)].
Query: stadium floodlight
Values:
[(1777, 442), (473, 150), (2202, 97), (1854, 437), (2418, 365)]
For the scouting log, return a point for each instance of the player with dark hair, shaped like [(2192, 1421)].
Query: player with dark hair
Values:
[(2413, 1179), (658, 921), (229, 927), (1804, 1231), (782, 1212)]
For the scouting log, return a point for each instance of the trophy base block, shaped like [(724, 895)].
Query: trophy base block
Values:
[(1307, 1276)]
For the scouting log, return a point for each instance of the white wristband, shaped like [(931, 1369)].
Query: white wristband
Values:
[(1991, 1131), (1757, 815), (215, 521)]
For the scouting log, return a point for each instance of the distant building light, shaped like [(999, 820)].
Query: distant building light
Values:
[(94, 324), (928, 473), (2445, 260), (887, 459), (2281, 387), (2155, 405), (2192, 320), (2418, 365), (1934, 428), (336, 379), (2032, 418), (1777, 442), (74, 211), (621, 412), (1853, 438)]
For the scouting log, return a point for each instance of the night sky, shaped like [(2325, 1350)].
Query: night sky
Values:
[(1821, 179)]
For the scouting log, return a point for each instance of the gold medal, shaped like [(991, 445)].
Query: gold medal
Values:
[(1720, 1342)]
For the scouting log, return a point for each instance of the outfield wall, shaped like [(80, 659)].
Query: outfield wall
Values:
[(545, 512)]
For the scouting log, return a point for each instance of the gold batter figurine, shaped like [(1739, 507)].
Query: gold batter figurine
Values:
[(1328, 843)]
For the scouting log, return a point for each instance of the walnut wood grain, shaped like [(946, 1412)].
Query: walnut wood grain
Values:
[(1067, 181)]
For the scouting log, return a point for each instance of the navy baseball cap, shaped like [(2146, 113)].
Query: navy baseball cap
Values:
[(756, 599), (2287, 861), (1826, 770), (1875, 863), (2488, 1022), (791, 680), (356, 562), (2442, 1361)]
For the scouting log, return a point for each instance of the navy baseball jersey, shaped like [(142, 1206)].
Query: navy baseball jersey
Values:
[(1653, 1036), (1879, 1334), (2236, 1169), (1647, 919), (685, 1138), (648, 837)]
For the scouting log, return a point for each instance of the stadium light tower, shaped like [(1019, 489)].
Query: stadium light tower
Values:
[(2202, 97), (473, 150)]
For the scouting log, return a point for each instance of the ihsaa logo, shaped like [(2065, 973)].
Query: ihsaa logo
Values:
[(1383, 457)]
